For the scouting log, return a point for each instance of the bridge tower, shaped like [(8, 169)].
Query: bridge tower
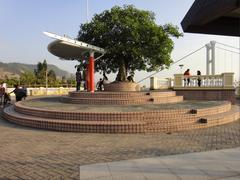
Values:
[(210, 58)]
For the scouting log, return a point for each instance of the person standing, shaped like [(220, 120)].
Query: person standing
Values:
[(19, 93), (2, 92), (84, 78), (187, 77), (105, 79), (130, 78), (100, 85), (78, 79), (199, 78)]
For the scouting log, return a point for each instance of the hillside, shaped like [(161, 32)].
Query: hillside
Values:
[(15, 69)]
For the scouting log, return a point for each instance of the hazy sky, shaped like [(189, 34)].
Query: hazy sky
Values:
[(23, 21)]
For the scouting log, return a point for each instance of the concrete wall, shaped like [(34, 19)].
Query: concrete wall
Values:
[(210, 95), (42, 91)]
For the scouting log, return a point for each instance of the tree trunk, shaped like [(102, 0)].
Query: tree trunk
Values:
[(122, 72)]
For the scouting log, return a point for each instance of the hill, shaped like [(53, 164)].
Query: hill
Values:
[(15, 69)]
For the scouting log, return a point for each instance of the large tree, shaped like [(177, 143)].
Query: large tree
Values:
[(132, 39)]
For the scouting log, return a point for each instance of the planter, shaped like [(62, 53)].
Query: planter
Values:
[(121, 86)]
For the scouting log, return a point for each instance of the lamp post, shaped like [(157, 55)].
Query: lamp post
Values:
[(181, 66)]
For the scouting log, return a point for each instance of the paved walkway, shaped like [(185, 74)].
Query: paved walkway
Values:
[(27, 153), (221, 164)]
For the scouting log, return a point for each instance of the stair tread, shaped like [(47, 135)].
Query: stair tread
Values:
[(93, 122), (211, 118), (119, 98), (163, 116)]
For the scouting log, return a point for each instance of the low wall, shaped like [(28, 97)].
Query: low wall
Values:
[(121, 86), (207, 94), (42, 91)]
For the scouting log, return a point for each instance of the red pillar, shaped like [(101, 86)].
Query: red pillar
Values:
[(91, 72)]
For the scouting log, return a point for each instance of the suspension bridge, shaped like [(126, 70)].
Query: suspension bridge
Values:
[(217, 57)]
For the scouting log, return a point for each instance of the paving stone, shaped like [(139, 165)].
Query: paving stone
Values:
[(27, 153)]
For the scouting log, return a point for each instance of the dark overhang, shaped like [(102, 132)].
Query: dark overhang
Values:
[(221, 17)]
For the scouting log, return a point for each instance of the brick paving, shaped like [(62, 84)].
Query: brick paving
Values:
[(27, 153)]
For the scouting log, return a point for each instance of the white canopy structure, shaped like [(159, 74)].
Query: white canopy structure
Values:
[(71, 49)]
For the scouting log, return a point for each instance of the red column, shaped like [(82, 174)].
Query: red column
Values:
[(91, 72)]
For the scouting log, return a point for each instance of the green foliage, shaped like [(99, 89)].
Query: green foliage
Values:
[(41, 72), (10, 81), (31, 77), (14, 70), (27, 78), (51, 77), (71, 81), (132, 39)]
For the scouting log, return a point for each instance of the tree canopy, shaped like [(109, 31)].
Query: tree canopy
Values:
[(40, 72), (132, 39)]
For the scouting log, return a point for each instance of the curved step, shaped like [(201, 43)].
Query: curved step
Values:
[(156, 115), (182, 113), (212, 120), (122, 101), (104, 101), (124, 95), (163, 100), (71, 125), (162, 93), (124, 126)]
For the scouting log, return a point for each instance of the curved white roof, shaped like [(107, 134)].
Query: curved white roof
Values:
[(70, 49)]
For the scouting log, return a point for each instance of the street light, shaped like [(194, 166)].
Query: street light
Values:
[(181, 66)]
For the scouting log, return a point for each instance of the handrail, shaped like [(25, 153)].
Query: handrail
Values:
[(224, 80)]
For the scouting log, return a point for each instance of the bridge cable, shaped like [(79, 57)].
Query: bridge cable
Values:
[(227, 50), (228, 46), (173, 63)]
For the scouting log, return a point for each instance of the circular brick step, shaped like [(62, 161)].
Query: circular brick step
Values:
[(165, 115), (118, 95), (125, 126), (123, 101), (71, 125), (212, 120), (122, 98)]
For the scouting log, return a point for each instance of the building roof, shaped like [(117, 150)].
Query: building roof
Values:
[(221, 17)]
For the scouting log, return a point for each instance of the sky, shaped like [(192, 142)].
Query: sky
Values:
[(22, 23)]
